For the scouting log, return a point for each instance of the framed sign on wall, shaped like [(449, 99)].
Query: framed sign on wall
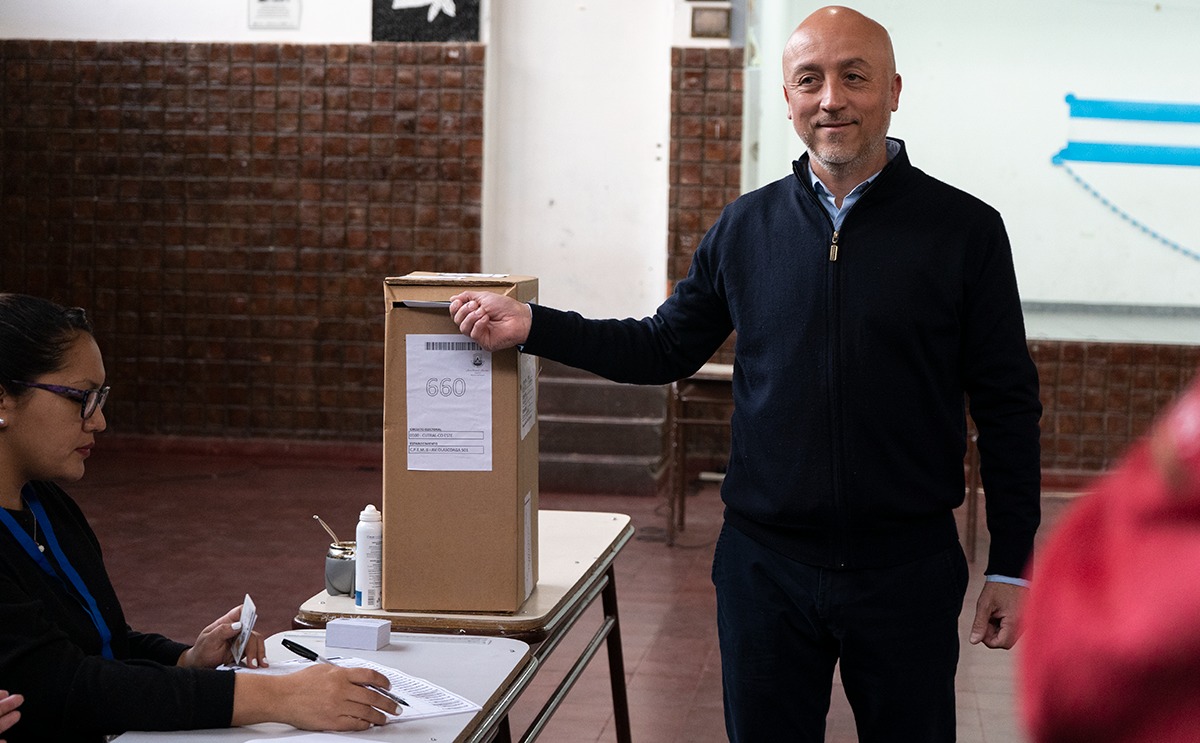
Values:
[(425, 20)]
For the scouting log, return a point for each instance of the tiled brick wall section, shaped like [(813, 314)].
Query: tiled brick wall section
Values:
[(706, 150), (227, 213), (1100, 397)]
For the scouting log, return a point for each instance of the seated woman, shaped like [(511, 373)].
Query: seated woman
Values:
[(64, 643)]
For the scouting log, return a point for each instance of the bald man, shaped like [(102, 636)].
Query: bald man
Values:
[(868, 300)]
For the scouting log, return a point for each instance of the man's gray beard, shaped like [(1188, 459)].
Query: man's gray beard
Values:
[(838, 167)]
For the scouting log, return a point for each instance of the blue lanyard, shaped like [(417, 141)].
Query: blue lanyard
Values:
[(39, 513)]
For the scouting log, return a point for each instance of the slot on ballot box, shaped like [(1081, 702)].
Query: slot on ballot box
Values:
[(460, 454)]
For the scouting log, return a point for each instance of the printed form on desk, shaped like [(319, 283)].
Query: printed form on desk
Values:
[(425, 699)]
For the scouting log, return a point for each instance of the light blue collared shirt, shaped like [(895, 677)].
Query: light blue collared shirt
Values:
[(827, 199)]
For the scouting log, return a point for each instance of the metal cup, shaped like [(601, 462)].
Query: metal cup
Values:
[(339, 569)]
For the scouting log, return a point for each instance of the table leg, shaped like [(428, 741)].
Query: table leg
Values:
[(676, 485), (606, 591), (616, 662)]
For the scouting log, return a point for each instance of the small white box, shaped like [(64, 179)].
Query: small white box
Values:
[(359, 634)]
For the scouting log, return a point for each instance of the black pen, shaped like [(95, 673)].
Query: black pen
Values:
[(315, 657)]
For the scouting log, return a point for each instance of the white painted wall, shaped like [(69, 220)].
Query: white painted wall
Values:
[(576, 140), (321, 21)]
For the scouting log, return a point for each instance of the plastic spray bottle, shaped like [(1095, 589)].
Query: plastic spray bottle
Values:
[(368, 559)]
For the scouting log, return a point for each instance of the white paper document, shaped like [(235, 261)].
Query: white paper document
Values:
[(274, 13), (425, 699), (247, 618), (449, 396), (307, 738)]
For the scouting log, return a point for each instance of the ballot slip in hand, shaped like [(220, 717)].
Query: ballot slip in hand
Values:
[(249, 614), (423, 304)]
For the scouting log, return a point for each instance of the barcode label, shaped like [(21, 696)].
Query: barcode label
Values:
[(452, 346)]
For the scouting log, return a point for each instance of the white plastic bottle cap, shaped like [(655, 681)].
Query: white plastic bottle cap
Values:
[(370, 514)]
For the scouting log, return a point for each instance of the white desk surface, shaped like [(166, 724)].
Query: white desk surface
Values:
[(575, 548), (490, 671)]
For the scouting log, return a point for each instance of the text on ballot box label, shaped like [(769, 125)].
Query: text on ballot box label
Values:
[(449, 395)]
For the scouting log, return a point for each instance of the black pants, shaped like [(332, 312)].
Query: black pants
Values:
[(784, 625)]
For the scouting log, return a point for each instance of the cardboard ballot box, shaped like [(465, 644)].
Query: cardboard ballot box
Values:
[(460, 454)]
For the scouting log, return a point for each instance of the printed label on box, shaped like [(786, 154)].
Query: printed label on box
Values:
[(527, 368), (449, 404)]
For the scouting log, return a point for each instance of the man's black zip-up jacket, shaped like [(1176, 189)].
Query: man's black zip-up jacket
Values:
[(848, 431)]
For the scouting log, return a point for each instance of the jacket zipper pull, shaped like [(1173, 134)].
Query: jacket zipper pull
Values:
[(833, 248)]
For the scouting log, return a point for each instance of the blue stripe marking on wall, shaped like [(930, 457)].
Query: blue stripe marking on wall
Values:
[(1101, 152), (1174, 113)]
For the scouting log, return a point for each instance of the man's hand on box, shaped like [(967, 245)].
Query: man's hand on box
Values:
[(493, 321)]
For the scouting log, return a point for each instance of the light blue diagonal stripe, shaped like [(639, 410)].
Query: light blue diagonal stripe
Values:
[(1154, 235), (1173, 113), (1137, 154)]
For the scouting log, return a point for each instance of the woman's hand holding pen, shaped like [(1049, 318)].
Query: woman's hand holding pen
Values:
[(321, 697), (212, 645)]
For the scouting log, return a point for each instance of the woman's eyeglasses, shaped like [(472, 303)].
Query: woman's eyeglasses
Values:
[(89, 400)]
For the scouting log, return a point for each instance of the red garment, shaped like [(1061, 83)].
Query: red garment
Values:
[(1111, 644)]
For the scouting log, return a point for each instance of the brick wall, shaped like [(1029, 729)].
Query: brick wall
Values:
[(1098, 398), (227, 212), (706, 151)]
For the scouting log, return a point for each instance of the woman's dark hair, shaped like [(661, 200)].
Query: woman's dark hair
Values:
[(35, 335)]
